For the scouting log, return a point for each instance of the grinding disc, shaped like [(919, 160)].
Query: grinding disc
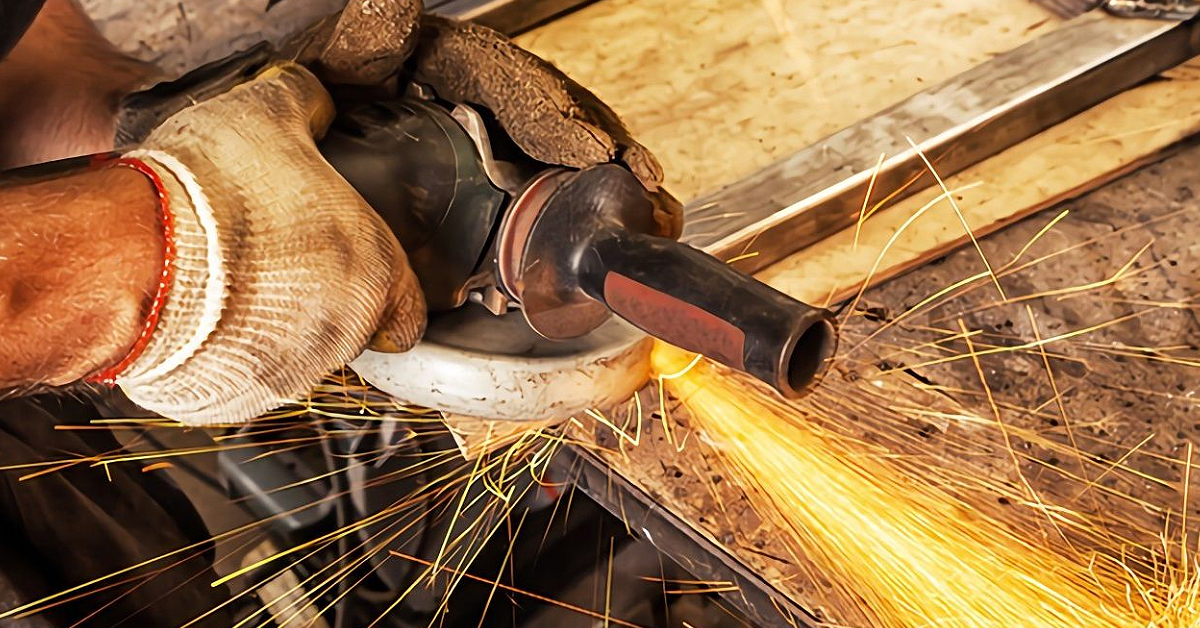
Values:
[(495, 367)]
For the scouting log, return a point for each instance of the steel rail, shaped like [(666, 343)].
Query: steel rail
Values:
[(511, 17), (758, 600), (819, 190)]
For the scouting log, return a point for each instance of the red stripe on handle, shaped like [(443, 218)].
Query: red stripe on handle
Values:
[(674, 320)]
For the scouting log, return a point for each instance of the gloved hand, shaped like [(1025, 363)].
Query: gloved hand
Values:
[(282, 271)]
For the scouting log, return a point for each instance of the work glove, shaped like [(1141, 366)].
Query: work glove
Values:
[(282, 271)]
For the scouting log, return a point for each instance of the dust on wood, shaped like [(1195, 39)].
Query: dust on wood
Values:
[(720, 88)]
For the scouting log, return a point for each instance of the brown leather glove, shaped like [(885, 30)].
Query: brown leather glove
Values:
[(548, 115)]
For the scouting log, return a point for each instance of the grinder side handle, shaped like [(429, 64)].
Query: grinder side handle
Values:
[(692, 300)]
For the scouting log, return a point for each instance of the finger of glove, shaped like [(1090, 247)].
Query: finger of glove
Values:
[(405, 317), (370, 40), (550, 116), (668, 214), (292, 95), (284, 95)]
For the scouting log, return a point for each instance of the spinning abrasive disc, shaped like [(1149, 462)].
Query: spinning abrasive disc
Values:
[(495, 367)]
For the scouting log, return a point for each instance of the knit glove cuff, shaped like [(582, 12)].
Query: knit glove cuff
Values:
[(282, 272)]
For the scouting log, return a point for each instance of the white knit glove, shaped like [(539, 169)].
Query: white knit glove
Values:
[(282, 271)]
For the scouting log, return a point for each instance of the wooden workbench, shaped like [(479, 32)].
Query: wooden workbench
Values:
[(720, 88)]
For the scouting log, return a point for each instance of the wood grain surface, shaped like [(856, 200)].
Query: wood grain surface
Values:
[(720, 88)]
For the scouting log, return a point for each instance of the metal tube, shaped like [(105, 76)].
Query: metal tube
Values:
[(819, 190), (511, 17)]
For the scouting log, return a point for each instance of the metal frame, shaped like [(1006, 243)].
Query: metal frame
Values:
[(757, 599), (511, 17), (819, 190)]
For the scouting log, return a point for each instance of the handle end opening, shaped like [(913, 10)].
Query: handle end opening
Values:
[(808, 359)]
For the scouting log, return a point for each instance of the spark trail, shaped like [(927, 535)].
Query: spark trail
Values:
[(913, 554)]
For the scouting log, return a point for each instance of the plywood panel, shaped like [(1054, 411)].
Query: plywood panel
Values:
[(720, 88)]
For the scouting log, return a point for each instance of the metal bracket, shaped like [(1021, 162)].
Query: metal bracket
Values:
[(504, 175), (1154, 9)]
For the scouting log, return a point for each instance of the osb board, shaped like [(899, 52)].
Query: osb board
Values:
[(720, 88), (1113, 409)]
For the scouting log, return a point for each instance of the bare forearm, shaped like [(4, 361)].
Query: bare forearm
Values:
[(59, 88), (80, 258)]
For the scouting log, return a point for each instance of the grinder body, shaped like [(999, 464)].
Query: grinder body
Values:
[(481, 221), (550, 253)]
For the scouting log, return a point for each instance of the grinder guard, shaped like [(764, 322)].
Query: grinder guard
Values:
[(569, 246)]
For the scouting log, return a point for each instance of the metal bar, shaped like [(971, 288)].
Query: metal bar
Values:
[(511, 17), (1067, 9), (820, 189), (761, 602)]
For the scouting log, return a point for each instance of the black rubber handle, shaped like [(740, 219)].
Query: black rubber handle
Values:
[(694, 301)]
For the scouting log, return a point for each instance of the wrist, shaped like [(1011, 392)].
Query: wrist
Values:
[(81, 258)]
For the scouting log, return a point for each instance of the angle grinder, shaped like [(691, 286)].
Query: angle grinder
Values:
[(517, 257), (524, 263)]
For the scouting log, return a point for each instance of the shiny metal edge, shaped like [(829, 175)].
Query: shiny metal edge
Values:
[(759, 600), (819, 190), (511, 17)]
